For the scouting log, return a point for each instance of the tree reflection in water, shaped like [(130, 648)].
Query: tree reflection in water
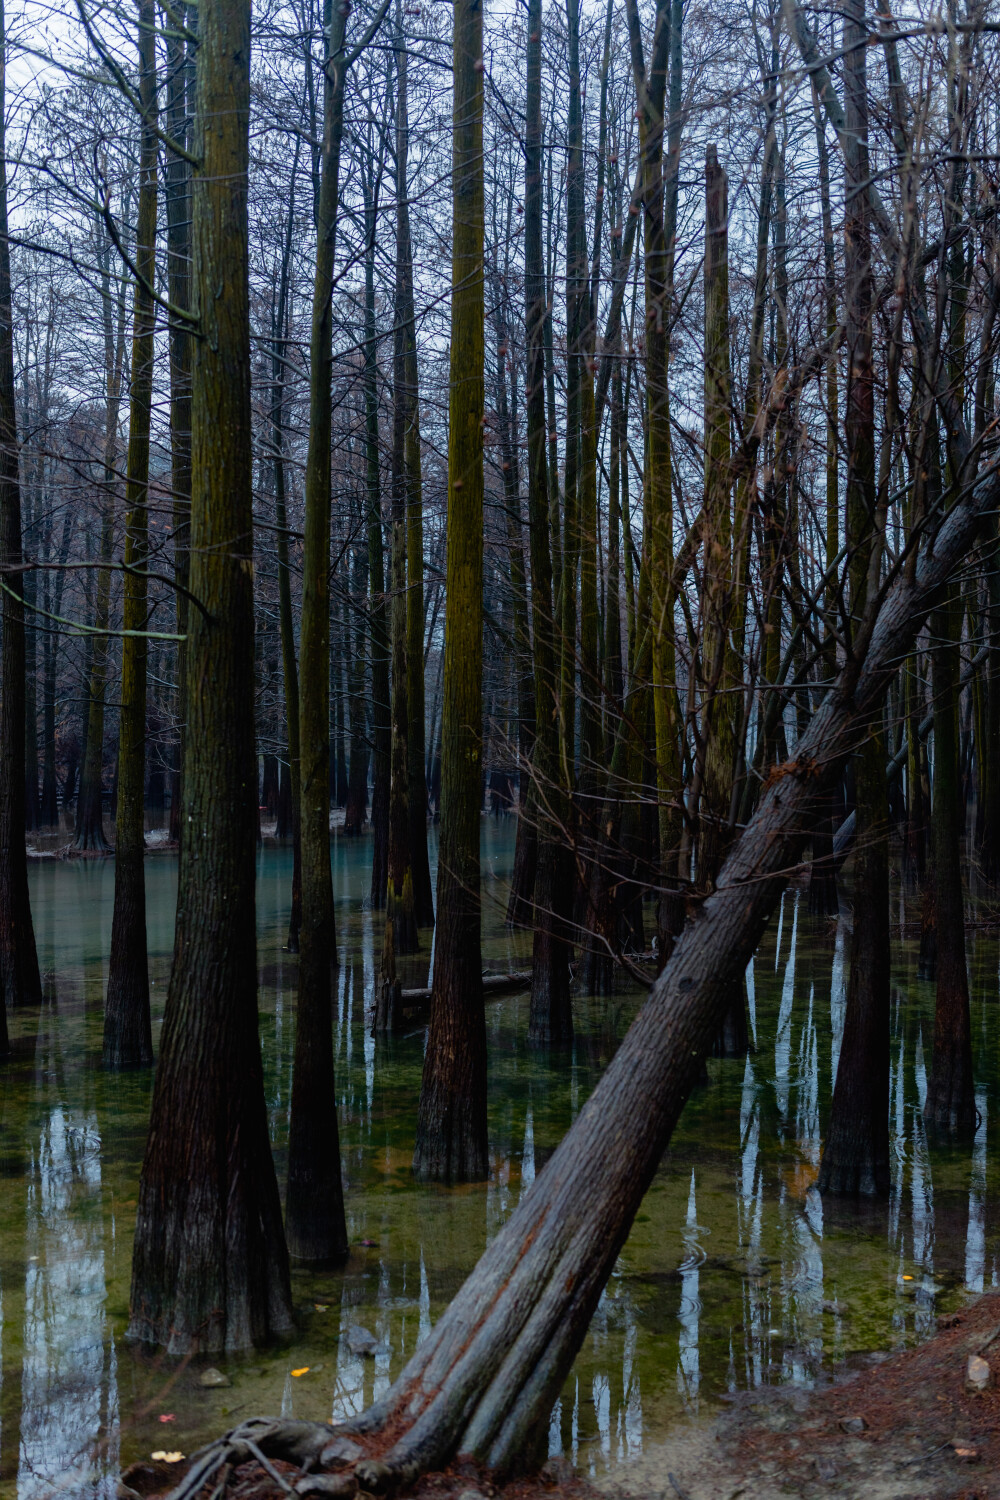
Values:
[(735, 1274)]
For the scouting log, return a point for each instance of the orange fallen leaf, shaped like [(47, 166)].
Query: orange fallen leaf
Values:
[(168, 1417), (303, 1371)]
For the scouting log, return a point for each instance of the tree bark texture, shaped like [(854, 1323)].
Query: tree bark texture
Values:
[(177, 193), (951, 1096), (210, 1267), (381, 708), (399, 904), (856, 1150), (314, 1204), (451, 1121), (551, 1016), (128, 1035), (423, 894), (19, 978)]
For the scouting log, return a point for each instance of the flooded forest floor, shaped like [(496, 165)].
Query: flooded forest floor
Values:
[(907, 1426), (745, 1317)]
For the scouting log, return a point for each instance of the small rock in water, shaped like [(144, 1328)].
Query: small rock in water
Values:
[(853, 1425), (978, 1375), (212, 1378), (833, 1305), (360, 1341)]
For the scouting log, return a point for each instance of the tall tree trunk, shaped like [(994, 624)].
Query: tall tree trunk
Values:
[(29, 590), (357, 781), (89, 833), (551, 1013), (720, 669), (451, 1121), (856, 1150), (399, 907), (951, 1098), (823, 898), (576, 304), (19, 979), (286, 625), (128, 1037), (177, 184), (314, 1204), (423, 894), (209, 1264), (50, 790), (522, 884), (650, 86), (381, 707)]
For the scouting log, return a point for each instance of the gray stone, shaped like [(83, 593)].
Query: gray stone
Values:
[(212, 1379), (360, 1341), (825, 1467), (978, 1375), (332, 1486), (853, 1425), (341, 1453)]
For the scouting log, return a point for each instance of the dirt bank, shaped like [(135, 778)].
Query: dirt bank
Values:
[(904, 1428)]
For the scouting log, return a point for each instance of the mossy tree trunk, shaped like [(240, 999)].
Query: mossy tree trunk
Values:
[(177, 184), (423, 893), (19, 979), (650, 86), (128, 1037), (286, 624), (550, 997), (89, 837), (357, 779), (399, 905), (721, 712), (381, 708), (951, 1099), (451, 1122), (314, 1204), (209, 1265), (856, 1149)]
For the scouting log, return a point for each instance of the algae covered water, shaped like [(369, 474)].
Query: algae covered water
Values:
[(735, 1274)]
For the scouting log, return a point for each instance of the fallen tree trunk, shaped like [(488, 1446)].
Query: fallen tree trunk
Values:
[(484, 1381), (493, 984), (392, 1009)]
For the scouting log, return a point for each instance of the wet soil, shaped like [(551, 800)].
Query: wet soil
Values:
[(903, 1427)]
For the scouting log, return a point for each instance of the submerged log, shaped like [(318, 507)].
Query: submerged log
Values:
[(413, 1003)]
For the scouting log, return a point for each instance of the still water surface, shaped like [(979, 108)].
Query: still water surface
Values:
[(735, 1274)]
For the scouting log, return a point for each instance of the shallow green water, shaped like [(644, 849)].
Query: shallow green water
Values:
[(735, 1273)]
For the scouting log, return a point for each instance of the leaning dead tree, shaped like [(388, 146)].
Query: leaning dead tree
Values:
[(483, 1383)]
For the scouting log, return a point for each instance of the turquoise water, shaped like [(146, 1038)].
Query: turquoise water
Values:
[(735, 1273)]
